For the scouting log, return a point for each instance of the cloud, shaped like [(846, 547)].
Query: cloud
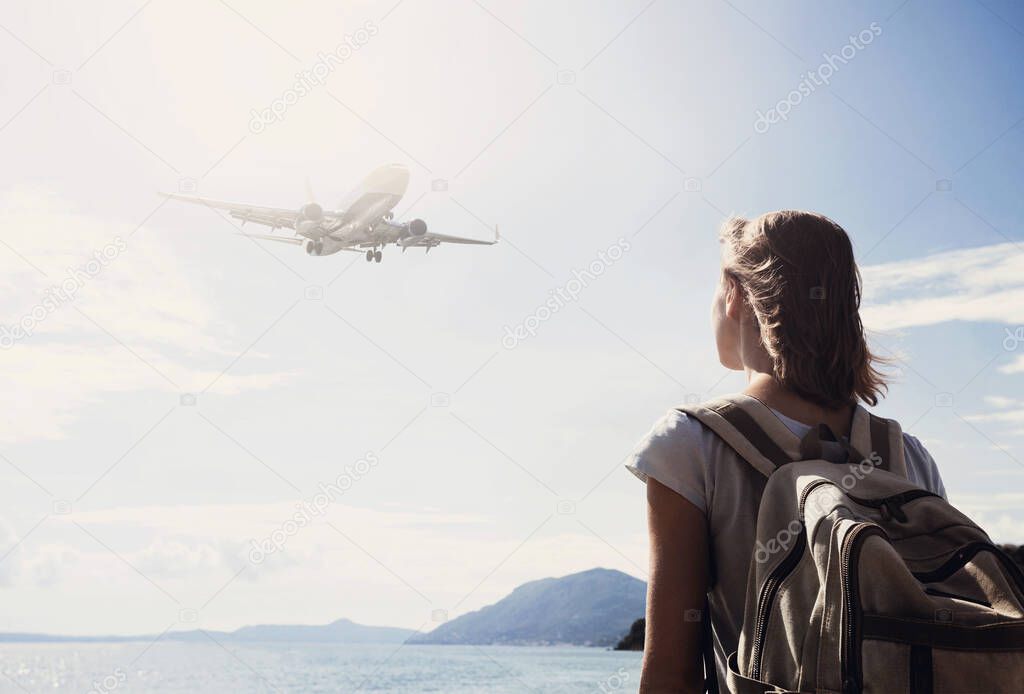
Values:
[(1009, 411), (1000, 515), (48, 564), (983, 284), (1016, 366), (87, 308), (448, 556), (232, 521), (173, 557), (40, 564)]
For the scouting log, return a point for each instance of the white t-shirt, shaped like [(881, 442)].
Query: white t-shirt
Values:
[(679, 451)]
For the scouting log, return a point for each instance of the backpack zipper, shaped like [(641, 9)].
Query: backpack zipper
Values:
[(889, 505), (807, 492), (968, 552), (767, 596), (901, 498), (892, 506), (850, 554)]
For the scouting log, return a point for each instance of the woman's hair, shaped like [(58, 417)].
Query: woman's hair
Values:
[(797, 273)]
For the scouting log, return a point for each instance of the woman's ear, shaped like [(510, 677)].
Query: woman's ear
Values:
[(733, 298)]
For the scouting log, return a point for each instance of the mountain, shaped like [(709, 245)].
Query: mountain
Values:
[(591, 608), (340, 631), (634, 640)]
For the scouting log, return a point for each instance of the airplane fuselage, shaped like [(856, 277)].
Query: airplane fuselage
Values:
[(367, 209)]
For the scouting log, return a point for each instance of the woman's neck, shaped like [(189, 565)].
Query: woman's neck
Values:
[(765, 388)]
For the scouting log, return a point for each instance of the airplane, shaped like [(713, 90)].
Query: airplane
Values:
[(362, 222)]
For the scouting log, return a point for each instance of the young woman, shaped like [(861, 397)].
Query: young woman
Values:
[(786, 314)]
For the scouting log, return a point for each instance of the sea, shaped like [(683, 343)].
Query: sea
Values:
[(99, 668)]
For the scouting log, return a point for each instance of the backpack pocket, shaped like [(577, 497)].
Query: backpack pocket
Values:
[(925, 657), (956, 629), (878, 593)]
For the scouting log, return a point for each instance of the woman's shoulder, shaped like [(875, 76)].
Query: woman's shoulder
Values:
[(675, 435), (921, 467), (675, 427), (675, 453)]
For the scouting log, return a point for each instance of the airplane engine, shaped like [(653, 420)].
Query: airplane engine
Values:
[(312, 212), (417, 227)]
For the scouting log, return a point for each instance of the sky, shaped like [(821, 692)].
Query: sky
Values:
[(184, 392)]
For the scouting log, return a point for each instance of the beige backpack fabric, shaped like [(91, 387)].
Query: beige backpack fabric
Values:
[(861, 582)]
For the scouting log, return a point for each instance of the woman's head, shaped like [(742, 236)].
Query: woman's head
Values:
[(788, 304)]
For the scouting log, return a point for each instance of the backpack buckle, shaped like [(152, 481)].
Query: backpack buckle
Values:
[(891, 510)]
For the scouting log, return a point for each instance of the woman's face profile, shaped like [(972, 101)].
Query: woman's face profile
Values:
[(725, 327)]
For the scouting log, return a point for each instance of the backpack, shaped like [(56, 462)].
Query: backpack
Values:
[(861, 582)]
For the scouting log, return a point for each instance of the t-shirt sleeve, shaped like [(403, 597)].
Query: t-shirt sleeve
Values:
[(921, 467), (674, 453)]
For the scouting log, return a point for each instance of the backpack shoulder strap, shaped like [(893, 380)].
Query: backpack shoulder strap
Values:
[(708, 651), (879, 437), (751, 429), (747, 426)]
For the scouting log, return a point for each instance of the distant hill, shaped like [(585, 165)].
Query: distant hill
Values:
[(340, 631), (591, 608), (634, 640)]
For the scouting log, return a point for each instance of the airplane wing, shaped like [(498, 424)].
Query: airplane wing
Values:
[(282, 239), (276, 217), (431, 239), (444, 238)]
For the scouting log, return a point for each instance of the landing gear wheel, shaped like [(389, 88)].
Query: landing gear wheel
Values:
[(369, 256), (377, 256), (319, 245)]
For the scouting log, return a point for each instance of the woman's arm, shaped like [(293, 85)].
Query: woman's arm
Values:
[(675, 593)]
